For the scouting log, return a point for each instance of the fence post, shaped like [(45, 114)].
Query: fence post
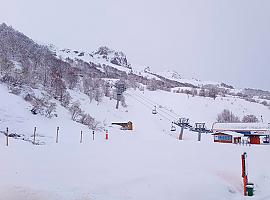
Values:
[(7, 136), (93, 135), (35, 129), (57, 131), (81, 137)]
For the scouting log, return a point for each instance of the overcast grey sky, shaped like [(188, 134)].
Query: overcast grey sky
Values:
[(220, 40)]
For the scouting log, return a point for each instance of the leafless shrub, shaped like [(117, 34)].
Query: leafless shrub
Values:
[(75, 111), (250, 119), (227, 117)]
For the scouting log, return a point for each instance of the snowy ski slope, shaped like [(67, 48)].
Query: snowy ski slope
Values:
[(146, 163)]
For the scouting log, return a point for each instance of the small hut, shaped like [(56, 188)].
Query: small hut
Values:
[(124, 125)]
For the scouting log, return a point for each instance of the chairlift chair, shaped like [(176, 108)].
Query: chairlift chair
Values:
[(173, 128), (154, 111)]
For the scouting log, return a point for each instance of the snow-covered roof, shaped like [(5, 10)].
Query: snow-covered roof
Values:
[(252, 127), (234, 134)]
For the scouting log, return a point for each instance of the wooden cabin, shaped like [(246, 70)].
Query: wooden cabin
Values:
[(124, 125)]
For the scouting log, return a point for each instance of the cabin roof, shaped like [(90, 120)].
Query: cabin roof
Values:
[(262, 128), (232, 133)]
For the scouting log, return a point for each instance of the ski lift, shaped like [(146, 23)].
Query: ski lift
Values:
[(154, 111), (173, 128)]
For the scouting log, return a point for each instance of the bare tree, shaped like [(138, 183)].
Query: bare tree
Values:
[(227, 117), (202, 93), (75, 110), (194, 92), (71, 78), (152, 85), (6, 66), (213, 92), (250, 119), (264, 103)]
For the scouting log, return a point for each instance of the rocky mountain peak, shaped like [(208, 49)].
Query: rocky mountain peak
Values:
[(112, 56)]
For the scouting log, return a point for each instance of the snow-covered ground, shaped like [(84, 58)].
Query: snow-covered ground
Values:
[(146, 163)]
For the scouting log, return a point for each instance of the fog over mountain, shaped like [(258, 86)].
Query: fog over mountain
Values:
[(210, 40)]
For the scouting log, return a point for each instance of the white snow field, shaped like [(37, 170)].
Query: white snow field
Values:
[(146, 163)]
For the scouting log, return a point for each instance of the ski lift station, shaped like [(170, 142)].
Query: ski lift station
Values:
[(256, 133), (228, 137)]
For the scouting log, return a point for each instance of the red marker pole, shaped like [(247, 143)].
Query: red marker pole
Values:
[(107, 135), (244, 172)]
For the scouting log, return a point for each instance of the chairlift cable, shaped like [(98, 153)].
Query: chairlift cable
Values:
[(140, 101), (160, 106), (149, 107)]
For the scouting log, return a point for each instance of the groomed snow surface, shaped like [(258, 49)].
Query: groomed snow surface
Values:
[(146, 163)]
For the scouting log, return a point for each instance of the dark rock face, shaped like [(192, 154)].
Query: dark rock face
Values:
[(114, 57)]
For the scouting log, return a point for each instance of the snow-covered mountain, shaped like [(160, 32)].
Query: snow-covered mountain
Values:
[(107, 56), (177, 77), (48, 87)]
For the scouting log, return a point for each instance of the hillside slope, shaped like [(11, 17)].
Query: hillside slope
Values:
[(147, 163), (43, 88)]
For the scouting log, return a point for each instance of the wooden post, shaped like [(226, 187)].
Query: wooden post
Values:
[(7, 136), (81, 137), (57, 131), (35, 129), (93, 135), (117, 103)]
